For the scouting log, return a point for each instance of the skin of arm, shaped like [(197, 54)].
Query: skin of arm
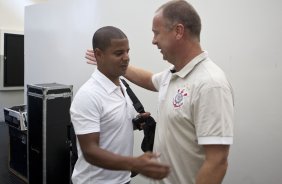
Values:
[(144, 164), (215, 165), (140, 77)]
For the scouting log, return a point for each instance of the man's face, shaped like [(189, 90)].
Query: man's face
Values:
[(163, 37), (113, 61)]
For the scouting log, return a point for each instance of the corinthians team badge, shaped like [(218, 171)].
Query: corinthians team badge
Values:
[(179, 98)]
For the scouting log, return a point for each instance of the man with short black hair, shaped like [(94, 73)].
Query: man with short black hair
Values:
[(102, 114)]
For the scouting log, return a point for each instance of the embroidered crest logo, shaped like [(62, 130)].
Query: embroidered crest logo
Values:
[(179, 98)]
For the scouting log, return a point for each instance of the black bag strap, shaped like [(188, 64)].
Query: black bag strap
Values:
[(136, 102), (150, 123)]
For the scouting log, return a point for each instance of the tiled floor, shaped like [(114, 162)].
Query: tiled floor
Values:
[(6, 177)]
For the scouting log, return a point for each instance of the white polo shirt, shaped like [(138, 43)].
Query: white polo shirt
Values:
[(195, 108), (99, 106)]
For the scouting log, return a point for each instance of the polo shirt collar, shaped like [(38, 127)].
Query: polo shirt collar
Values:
[(106, 83), (192, 64)]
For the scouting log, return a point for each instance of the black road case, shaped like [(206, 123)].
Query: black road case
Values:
[(48, 122), (15, 118), (18, 153)]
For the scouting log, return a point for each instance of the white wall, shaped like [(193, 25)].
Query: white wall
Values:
[(12, 18), (243, 37)]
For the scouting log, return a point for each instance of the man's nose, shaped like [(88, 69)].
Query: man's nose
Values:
[(154, 41), (125, 57)]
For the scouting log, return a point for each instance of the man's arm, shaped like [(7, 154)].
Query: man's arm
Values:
[(145, 164), (215, 165), (136, 75), (140, 77)]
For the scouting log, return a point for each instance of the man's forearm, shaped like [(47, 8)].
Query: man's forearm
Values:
[(212, 173), (140, 77)]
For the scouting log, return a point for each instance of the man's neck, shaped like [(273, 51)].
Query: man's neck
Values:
[(188, 54)]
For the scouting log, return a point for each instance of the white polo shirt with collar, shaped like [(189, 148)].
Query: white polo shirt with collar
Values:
[(195, 108), (100, 106)]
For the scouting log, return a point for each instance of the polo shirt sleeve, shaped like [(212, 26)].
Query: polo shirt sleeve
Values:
[(213, 115), (85, 113), (158, 79)]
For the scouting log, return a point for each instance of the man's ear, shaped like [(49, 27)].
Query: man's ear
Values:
[(179, 29), (98, 53)]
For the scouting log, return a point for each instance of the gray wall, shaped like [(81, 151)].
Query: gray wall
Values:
[(243, 37), (12, 18), (9, 20)]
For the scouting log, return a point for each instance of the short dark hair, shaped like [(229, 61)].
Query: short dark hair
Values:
[(180, 11), (103, 36)]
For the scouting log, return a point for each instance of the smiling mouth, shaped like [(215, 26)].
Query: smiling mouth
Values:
[(124, 66)]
